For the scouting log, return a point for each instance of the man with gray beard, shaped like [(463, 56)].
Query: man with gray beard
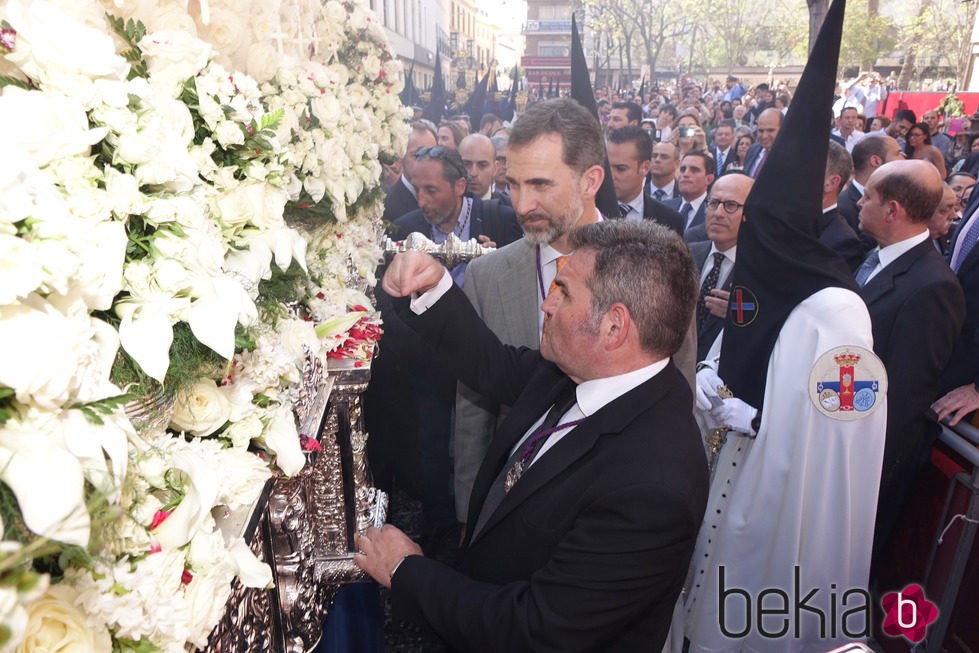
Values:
[(554, 169)]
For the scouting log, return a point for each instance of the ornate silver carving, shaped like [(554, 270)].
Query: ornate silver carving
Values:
[(151, 413), (451, 253), (305, 525)]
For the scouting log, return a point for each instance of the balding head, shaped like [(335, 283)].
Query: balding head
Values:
[(479, 159), (769, 122), (723, 225), (899, 199)]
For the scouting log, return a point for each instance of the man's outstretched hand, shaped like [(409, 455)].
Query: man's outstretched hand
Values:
[(411, 272)]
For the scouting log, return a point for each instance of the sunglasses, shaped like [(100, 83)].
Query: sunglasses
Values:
[(441, 153)]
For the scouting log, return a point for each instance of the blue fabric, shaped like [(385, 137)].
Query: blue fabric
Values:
[(355, 621)]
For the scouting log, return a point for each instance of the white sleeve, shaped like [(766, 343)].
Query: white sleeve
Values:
[(421, 303)]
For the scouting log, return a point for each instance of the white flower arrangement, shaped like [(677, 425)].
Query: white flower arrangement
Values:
[(175, 176)]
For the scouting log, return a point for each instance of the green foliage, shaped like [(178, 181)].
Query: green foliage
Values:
[(133, 646), (951, 106), (6, 80), (94, 410), (6, 404), (132, 32), (189, 360), (283, 287)]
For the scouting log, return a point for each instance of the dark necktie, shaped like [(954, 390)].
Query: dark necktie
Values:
[(720, 160), (659, 194), (761, 162), (710, 282), (498, 489), (869, 264), (685, 212), (968, 242), (624, 209)]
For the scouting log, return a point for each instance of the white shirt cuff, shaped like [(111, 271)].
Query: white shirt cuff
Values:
[(421, 303)]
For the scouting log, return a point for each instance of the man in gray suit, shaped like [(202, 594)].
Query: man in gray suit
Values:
[(554, 169)]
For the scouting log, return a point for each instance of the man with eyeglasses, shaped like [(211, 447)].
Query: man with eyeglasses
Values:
[(962, 184), (715, 257), (500, 142)]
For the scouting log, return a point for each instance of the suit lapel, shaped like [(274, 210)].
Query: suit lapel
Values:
[(476, 226), (514, 427), (519, 293), (883, 281), (610, 420)]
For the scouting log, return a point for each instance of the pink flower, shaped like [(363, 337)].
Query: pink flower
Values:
[(159, 517)]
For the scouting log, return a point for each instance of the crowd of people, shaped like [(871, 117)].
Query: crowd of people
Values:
[(587, 409)]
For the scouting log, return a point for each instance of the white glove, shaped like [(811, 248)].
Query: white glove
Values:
[(735, 414), (707, 384)]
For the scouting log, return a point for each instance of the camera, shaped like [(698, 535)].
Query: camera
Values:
[(687, 132)]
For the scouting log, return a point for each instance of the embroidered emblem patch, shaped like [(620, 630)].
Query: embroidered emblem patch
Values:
[(743, 306), (847, 383)]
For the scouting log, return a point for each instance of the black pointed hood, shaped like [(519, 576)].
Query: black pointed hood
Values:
[(780, 260), (582, 93), (436, 103), (475, 104)]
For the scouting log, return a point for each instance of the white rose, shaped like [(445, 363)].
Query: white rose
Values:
[(20, 269), (229, 133), (49, 126), (56, 623), (173, 57), (335, 13), (227, 32), (372, 66), (241, 433), (201, 408), (296, 334), (262, 60)]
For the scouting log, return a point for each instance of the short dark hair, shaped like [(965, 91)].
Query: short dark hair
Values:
[(849, 108), (668, 108), (634, 134), (727, 122), (453, 168), (838, 162), (488, 119), (632, 110), (918, 200), (866, 147), (581, 135), (705, 157), (647, 268), (960, 173), (906, 114), (425, 126)]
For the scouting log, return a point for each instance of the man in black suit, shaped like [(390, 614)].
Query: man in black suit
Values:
[(721, 147), (445, 208), (479, 159), (725, 213), (834, 232), (916, 311), (769, 124), (630, 151), (401, 198), (582, 543), (411, 423), (696, 176), (873, 151), (662, 185), (960, 380)]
